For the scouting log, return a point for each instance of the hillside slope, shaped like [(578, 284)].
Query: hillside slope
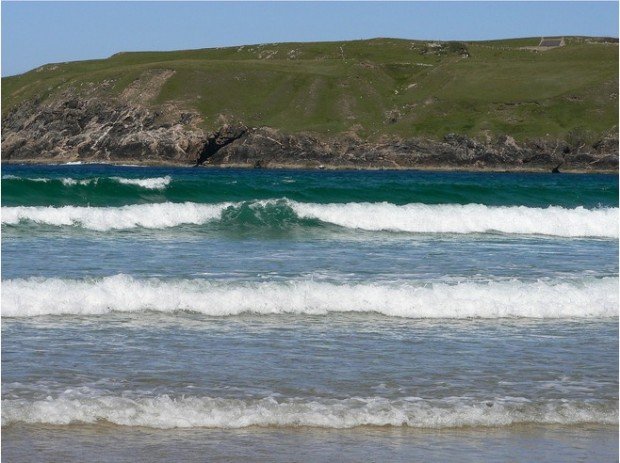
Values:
[(370, 93)]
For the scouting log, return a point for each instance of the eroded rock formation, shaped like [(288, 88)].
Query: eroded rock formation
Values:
[(120, 130)]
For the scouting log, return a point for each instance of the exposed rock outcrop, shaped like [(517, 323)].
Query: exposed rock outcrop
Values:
[(272, 148), (82, 128), (120, 130), (218, 140)]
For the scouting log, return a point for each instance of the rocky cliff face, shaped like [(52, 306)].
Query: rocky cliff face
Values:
[(91, 129), (265, 147), (73, 128)]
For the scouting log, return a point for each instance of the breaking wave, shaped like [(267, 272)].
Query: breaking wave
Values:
[(159, 215), (589, 298), (411, 218), (62, 186), (164, 412), (156, 183)]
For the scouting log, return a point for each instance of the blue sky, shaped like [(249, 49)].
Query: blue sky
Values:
[(36, 33)]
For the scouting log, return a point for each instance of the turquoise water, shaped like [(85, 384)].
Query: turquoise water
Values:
[(276, 315), (115, 186)]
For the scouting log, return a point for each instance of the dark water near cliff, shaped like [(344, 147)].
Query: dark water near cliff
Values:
[(98, 185), (190, 314)]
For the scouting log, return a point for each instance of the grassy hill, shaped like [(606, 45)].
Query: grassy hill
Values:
[(371, 87)]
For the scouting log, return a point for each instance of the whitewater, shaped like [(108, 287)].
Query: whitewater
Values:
[(411, 218), (157, 183), (509, 299), (180, 314), (166, 413)]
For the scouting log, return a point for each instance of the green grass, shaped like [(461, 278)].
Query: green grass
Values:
[(335, 87)]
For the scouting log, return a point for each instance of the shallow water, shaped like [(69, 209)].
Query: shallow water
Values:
[(340, 317), (113, 444)]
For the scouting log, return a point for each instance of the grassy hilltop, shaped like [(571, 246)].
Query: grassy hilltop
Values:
[(371, 87)]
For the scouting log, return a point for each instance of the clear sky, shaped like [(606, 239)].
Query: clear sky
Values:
[(36, 33)]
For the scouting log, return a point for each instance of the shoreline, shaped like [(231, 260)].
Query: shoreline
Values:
[(428, 444), (318, 168)]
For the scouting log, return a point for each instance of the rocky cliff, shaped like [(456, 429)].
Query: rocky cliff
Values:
[(86, 129)]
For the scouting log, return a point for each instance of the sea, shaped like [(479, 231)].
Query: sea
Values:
[(204, 314)]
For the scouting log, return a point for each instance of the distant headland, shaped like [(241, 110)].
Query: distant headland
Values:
[(531, 104)]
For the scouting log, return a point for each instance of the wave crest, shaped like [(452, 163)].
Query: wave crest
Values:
[(164, 412), (500, 299), (158, 215), (154, 183), (158, 183), (469, 218), (412, 218)]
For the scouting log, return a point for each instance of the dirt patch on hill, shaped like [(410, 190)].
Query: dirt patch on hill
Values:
[(147, 87)]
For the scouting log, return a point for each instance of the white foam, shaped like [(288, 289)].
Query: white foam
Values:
[(157, 183), (164, 412), (156, 215), (413, 218), (65, 181), (122, 293), (469, 218), (16, 177), (71, 181)]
